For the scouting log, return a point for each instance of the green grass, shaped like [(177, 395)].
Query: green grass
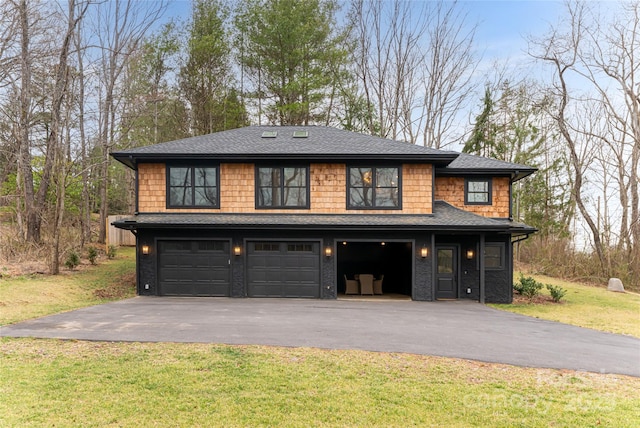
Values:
[(74, 383), (34, 296), (585, 306)]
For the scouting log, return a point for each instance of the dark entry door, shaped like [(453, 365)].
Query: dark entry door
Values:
[(446, 273), (194, 268)]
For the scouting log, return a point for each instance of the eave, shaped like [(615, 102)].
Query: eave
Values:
[(131, 160), (445, 218), (515, 175)]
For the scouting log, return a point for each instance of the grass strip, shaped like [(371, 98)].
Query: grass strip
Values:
[(584, 306)]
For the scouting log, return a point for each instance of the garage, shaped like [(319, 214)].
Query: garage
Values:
[(194, 268), (390, 260), (283, 269)]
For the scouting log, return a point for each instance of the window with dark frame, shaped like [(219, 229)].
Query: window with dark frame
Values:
[(193, 187), (267, 246), (373, 188), (477, 191), (282, 187), (494, 256)]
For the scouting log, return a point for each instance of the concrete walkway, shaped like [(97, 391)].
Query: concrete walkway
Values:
[(451, 329)]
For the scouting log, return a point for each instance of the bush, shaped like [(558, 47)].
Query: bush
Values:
[(557, 292), (111, 252), (73, 260), (528, 287), (92, 255)]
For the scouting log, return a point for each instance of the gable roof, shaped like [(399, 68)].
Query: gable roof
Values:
[(321, 144)]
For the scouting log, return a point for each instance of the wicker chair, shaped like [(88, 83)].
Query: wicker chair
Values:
[(366, 283), (351, 286), (377, 285)]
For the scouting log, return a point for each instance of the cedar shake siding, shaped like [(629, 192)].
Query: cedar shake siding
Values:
[(451, 190), (328, 189)]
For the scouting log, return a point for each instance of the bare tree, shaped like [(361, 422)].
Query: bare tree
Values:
[(57, 153), (31, 214), (604, 122), (449, 68), (388, 55), (612, 66), (414, 63), (120, 27)]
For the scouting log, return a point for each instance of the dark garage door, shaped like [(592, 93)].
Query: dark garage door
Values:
[(283, 269), (194, 268)]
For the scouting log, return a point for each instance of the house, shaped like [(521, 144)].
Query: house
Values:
[(293, 211)]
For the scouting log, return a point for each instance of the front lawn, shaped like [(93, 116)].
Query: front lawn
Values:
[(91, 384), (585, 306)]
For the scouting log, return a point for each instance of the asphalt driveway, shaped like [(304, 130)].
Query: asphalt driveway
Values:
[(451, 329)]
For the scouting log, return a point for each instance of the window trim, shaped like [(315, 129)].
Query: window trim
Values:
[(501, 247), (373, 187), (192, 167), (488, 180), (282, 187)]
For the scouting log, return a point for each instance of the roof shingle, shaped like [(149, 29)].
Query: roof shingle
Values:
[(444, 217)]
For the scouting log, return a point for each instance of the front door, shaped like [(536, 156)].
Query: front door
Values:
[(446, 273)]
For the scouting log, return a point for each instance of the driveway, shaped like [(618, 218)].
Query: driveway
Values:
[(450, 329)]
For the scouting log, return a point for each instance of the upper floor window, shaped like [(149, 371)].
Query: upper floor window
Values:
[(193, 187), (373, 187), (477, 191), (282, 187)]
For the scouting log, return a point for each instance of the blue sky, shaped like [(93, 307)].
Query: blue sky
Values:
[(501, 24), (504, 25)]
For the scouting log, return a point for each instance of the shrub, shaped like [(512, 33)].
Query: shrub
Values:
[(111, 252), (92, 255), (557, 292), (528, 287), (73, 260)]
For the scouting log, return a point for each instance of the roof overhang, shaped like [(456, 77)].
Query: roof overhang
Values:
[(132, 160), (445, 218), (514, 174)]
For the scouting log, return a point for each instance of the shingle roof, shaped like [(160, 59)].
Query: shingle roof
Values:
[(445, 217), (321, 143), (466, 163)]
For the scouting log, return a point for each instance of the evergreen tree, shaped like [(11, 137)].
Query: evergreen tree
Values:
[(290, 49), (483, 134), (206, 77), (515, 128)]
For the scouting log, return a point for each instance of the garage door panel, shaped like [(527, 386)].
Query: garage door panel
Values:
[(194, 268), (283, 269)]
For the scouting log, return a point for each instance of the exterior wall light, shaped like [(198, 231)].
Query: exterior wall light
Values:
[(237, 250), (328, 251), (424, 252), (145, 250), (470, 254)]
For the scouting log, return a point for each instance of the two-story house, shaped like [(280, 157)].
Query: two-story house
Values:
[(294, 211)]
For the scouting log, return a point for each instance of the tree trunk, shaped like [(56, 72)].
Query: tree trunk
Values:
[(31, 215)]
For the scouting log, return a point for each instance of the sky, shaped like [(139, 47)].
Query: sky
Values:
[(501, 24)]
